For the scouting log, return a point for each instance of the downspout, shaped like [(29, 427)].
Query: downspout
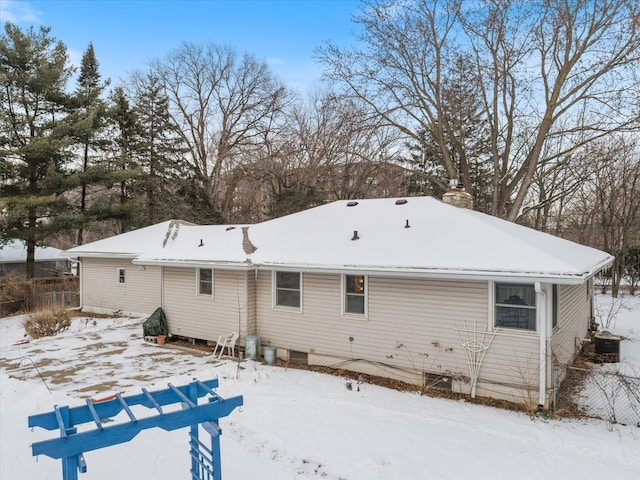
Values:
[(81, 273), (255, 301), (162, 286), (542, 331)]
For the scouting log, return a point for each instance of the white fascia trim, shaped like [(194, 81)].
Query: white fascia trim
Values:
[(101, 255), (195, 264), (438, 274)]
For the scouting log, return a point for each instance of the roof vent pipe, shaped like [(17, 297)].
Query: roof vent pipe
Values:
[(201, 243), (406, 225), (355, 235)]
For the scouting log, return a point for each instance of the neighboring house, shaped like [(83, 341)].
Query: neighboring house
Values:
[(390, 287), (49, 261)]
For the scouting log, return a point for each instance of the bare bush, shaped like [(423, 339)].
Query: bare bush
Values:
[(15, 290), (47, 322)]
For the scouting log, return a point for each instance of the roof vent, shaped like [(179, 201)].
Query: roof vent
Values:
[(401, 201), (201, 243), (355, 235), (230, 228), (352, 204), (406, 225)]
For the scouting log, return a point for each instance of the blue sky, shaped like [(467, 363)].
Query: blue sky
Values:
[(126, 34)]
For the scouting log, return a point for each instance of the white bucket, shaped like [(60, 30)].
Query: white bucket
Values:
[(252, 347), (270, 355)]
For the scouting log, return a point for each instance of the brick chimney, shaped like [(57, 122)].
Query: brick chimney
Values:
[(457, 195)]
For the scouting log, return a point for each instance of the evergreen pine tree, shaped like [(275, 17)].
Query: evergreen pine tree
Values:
[(125, 170), (33, 77), (89, 123), (159, 149)]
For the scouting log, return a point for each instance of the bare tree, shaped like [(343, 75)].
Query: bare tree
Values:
[(222, 103), (560, 73), (606, 211), (330, 149)]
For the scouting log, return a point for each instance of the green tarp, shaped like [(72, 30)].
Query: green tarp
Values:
[(156, 324)]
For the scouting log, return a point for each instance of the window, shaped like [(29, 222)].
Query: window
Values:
[(287, 289), (515, 306), (555, 305), (205, 282), (355, 294), (121, 276)]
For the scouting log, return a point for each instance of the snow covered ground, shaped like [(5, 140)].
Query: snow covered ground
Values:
[(294, 424)]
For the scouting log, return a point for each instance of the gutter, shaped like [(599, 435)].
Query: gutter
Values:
[(195, 263), (76, 255), (441, 274), (542, 331), (601, 266)]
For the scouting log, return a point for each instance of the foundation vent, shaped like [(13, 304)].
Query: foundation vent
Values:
[(298, 357)]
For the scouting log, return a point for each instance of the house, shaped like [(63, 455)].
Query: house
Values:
[(110, 282), (414, 289), (49, 261)]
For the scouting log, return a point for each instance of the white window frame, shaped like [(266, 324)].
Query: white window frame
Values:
[(274, 291), (343, 296), (198, 292), (122, 276), (493, 309)]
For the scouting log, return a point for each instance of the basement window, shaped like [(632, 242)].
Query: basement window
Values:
[(437, 380), (301, 358)]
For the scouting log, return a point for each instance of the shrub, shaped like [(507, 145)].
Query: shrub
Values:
[(47, 322), (15, 293)]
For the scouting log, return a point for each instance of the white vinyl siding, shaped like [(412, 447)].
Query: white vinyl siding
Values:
[(574, 317), (410, 326), (203, 317), (250, 286), (101, 288)]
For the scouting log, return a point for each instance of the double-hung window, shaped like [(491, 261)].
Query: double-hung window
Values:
[(121, 276), (515, 306), (204, 281), (354, 294), (287, 289)]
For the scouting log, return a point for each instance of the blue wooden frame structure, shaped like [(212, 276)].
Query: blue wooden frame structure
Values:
[(71, 444)]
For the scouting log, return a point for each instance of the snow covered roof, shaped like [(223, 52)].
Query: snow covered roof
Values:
[(200, 245), (130, 244), (418, 236), (16, 252)]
